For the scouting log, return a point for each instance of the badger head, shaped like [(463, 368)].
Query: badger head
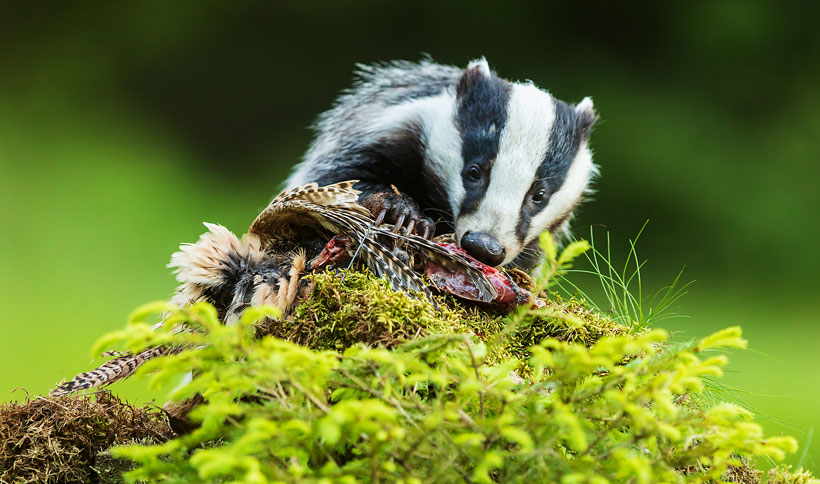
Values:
[(524, 163)]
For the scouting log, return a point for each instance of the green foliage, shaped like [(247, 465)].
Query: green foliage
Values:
[(785, 475), (622, 286), (555, 265), (283, 412), (441, 408)]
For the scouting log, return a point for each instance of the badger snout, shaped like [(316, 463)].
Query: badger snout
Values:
[(483, 247)]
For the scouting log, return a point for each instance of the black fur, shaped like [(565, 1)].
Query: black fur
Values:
[(482, 114), (238, 280), (565, 139), (397, 160), (523, 225), (569, 130)]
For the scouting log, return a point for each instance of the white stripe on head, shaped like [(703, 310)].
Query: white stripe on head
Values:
[(522, 147), (443, 146), (436, 118)]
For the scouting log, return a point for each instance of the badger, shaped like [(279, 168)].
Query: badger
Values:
[(439, 147)]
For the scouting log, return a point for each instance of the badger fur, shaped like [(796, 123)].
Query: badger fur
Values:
[(496, 162)]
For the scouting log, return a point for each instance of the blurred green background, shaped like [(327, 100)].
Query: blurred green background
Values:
[(124, 126)]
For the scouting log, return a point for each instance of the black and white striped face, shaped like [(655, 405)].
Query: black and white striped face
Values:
[(525, 163)]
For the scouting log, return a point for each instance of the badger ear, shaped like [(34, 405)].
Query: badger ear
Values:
[(475, 72), (586, 117), (481, 65)]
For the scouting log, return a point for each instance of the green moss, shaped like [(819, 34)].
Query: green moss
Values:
[(365, 309), (785, 475)]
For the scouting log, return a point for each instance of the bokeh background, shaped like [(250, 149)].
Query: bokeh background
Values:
[(123, 126)]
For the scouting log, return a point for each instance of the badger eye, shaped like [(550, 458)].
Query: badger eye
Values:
[(474, 173), (538, 197)]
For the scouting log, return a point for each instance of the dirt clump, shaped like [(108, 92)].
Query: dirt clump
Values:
[(56, 440)]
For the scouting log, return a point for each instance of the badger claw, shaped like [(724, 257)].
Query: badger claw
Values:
[(380, 217), (426, 229), (399, 222), (402, 212), (408, 229)]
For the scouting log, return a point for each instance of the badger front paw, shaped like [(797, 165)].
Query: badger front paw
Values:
[(402, 212)]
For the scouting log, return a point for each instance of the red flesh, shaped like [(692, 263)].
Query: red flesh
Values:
[(335, 252), (338, 251), (457, 284)]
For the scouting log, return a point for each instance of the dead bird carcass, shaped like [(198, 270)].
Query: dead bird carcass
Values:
[(305, 229)]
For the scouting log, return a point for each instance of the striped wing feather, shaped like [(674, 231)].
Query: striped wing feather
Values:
[(335, 209), (110, 371), (379, 260), (430, 251), (361, 226), (309, 207), (376, 256), (326, 195)]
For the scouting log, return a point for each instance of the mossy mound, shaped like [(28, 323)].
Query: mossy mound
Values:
[(364, 309), (57, 440)]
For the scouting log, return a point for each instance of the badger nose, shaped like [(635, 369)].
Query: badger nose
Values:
[(483, 247)]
